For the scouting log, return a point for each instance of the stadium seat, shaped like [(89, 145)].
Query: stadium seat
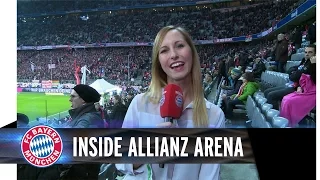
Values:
[(258, 93), (294, 57), (266, 125), (300, 50), (291, 64), (266, 107), (257, 98), (261, 102), (271, 114), (279, 122), (250, 106), (259, 120)]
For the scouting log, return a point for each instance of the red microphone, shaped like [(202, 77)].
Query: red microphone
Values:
[(171, 103)]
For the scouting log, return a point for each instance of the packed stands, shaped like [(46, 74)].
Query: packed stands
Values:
[(142, 25)]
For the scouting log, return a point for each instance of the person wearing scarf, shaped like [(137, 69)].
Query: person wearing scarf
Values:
[(248, 87)]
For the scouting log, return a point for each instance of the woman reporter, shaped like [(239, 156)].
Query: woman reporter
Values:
[(174, 61)]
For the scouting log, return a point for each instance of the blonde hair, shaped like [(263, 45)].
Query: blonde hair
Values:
[(159, 77)]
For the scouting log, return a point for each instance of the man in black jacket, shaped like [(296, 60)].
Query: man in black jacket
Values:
[(274, 95), (83, 112), (304, 65), (258, 68), (281, 52), (221, 71), (119, 109), (312, 33), (129, 99)]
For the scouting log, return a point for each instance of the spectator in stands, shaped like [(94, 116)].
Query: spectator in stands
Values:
[(236, 60), (83, 112), (248, 87), (103, 114), (129, 99), (232, 82), (22, 120), (174, 45), (118, 112), (294, 106), (206, 78), (275, 94), (229, 63), (222, 73), (311, 36), (243, 58), (281, 53), (304, 65), (273, 50), (242, 69), (258, 67), (297, 37), (208, 84), (231, 86)]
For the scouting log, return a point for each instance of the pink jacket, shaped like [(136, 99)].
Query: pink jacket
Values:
[(296, 106)]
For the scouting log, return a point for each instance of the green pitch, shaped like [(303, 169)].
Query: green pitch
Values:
[(34, 104)]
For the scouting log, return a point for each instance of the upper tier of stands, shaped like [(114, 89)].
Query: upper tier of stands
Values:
[(32, 7), (142, 25)]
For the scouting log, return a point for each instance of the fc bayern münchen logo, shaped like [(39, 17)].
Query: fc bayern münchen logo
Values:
[(162, 100), (41, 146), (179, 101)]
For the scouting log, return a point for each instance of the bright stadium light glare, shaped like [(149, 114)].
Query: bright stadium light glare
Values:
[(84, 18)]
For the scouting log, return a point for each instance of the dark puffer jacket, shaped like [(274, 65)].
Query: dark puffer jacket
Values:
[(85, 116)]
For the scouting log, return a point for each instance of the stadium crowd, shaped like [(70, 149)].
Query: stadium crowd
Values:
[(142, 25), (32, 7), (112, 63)]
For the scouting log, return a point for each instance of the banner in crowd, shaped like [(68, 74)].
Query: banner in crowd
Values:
[(68, 86), (47, 90), (198, 42), (46, 83), (248, 38), (51, 66), (223, 40), (264, 33), (23, 84), (35, 84), (55, 83)]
